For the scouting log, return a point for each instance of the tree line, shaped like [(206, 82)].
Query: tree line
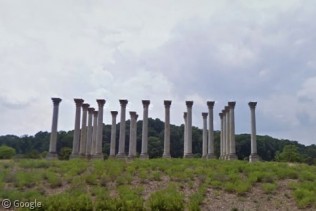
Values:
[(269, 148)]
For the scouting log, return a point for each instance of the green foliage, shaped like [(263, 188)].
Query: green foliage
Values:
[(269, 187), (289, 154), (6, 152), (65, 153), (169, 199)]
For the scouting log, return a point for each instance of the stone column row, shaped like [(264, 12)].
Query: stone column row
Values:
[(227, 139), (87, 140)]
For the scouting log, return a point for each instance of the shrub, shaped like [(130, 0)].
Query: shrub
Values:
[(167, 200), (6, 152), (269, 187)]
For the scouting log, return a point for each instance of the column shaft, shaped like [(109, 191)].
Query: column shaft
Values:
[(52, 154), (224, 135), (144, 153), (221, 136), (83, 136), (210, 151), (227, 133), (76, 139), (185, 137), (232, 155), (204, 142), (121, 153), (99, 138), (166, 152), (89, 132), (132, 136), (113, 134), (189, 130), (253, 156), (94, 133)]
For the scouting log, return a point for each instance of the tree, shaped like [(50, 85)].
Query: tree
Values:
[(64, 153), (6, 152), (289, 154)]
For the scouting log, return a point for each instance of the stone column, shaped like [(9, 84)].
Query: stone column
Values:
[(253, 156), (166, 148), (204, 143), (189, 105), (232, 155), (83, 136), (113, 134), (210, 150), (227, 133), (94, 133), (144, 153), (89, 132), (221, 136), (52, 154), (99, 138), (121, 152), (76, 139), (132, 136), (185, 139)]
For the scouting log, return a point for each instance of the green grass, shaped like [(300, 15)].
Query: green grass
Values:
[(157, 184)]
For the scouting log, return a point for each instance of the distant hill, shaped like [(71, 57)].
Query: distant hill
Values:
[(33, 146)]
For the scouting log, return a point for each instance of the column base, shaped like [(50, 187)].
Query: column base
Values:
[(52, 156), (74, 156), (211, 156), (188, 155), (232, 157), (121, 156), (204, 156), (112, 157), (131, 157), (98, 156), (253, 158), (144, 156), (166, 156)]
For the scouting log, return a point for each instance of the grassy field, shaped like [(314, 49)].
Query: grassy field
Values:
[(159, 184)]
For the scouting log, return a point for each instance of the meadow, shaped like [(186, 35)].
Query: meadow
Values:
[(159, 184)]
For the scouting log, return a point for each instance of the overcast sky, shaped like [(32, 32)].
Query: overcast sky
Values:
[(180, 50)]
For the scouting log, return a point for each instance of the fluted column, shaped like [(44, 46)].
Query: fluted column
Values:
[(132, 136), (89, 132), (232, 155), (83, 136), (189, 105), (99, 138), (76, 139), (227, 133), (204, 142), (253, 156), (52, 154), (185, 139), (166, 148), (144, 153), (210, 144), (221, 137), (121, 152), (113, 134), (94, 133)]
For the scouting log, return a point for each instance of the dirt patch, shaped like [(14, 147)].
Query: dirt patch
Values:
[(256, 199)]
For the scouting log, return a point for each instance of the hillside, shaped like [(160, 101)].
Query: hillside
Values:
[(159, 184), (36, 146)]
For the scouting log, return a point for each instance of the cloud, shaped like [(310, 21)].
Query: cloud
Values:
[(186, 50)]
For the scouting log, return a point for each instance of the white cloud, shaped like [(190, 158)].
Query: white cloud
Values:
[(206, 50)]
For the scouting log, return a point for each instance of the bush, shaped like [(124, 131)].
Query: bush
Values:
[(64, 153), (6, 152), (167, 200)]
